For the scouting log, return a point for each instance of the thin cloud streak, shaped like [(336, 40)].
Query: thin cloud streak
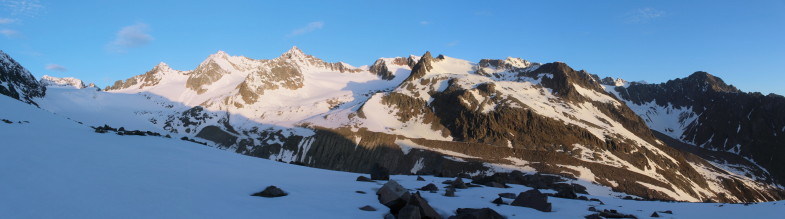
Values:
[(132, 36), (316, 25), (56, 67), (28, 8), (9, 33)]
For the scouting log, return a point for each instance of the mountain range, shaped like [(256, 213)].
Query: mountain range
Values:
[(692, 139)]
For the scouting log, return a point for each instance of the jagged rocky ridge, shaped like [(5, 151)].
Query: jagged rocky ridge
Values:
[(17, 82), (427, 115), (702, 110)]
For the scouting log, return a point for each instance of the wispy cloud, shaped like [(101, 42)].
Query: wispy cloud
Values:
[(643, 15), (6, 20), (132, 36), (425, 23), (9, 33), (56, 67), (22, 7), (307, 29), (453, 43)]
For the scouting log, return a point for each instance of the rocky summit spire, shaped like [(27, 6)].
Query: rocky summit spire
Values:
[(423, 66), (293, 53)]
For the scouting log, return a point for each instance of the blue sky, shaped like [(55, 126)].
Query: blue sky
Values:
[(102, 41)]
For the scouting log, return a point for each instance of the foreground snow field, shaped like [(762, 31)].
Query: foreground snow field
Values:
[(52, 167)]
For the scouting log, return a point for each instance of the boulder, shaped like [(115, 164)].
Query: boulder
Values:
[(363, 179), (458, 184), (393, 195), (655, 214), (419, 178), (270, 192), (367, 208), (378, 172), (575, 188), (430, 187), (533, 199), (566, 193), (593, 216), (450, 192), (615, 214), (426, 211), (507, 195), (499, 201), (476, 213), (409, 212)]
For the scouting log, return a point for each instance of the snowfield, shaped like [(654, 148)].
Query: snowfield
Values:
[(54, 167)]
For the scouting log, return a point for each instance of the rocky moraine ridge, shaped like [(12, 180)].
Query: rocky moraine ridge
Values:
[(449, 117)]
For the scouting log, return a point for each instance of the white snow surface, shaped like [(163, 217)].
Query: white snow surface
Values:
[(76, 173)]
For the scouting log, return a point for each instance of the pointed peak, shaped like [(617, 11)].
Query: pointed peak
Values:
[(427, 55), (293, 52), (713, 82), (220, 54), (162, 66)]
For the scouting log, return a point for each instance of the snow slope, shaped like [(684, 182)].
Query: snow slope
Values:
[(73, 172)]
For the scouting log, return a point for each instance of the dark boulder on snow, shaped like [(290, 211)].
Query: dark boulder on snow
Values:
[(378, 172), (566, 193), (533, 199), (419, 178), (499, 201), (450, 192), (655, 214), (615, 214), (409, 212), (271, 192), (393, 195), (507, 195), (593, 216), (363, 179), (476, 213), (426, 211), (458, 184), (430, 188), (367, 208)]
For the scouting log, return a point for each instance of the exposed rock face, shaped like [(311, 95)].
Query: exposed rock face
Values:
[(211, 70), (278, 74), (380, 66), (18, 83), (424, 65), (378, 172), (718, 117), (148, 79)]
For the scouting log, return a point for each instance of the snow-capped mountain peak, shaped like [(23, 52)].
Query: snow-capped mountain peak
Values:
[(50, 81), (294, 52)]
